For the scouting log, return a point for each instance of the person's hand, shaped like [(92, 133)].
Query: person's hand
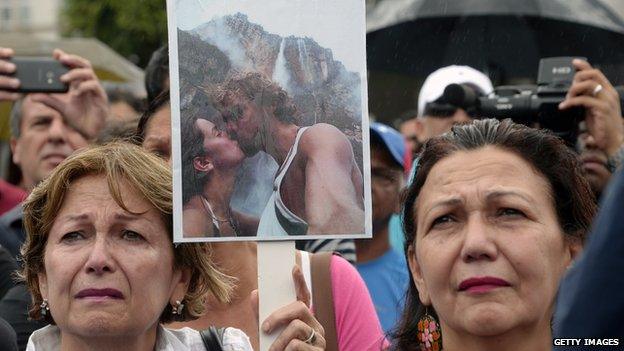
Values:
[(86, 108), (6, 82), (603, 113), (302, 331)]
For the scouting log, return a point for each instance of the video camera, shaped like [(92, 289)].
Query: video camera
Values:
[(526, 104)]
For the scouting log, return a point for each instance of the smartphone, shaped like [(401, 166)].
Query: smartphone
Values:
[(39, 75)]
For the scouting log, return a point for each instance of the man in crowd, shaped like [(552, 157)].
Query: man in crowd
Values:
[(319, 187), (408, 129), (383, 269), (601, 133), (594, 161), (47, 128), (436, 116)]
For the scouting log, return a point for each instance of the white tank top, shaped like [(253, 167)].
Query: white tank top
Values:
[(277, 220)]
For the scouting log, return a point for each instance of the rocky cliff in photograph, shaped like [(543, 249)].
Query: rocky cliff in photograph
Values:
[(323, 90)]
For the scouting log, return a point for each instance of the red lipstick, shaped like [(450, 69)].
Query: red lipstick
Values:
[(482, 284)]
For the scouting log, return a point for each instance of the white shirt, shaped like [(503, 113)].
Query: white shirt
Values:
[(186, 339)]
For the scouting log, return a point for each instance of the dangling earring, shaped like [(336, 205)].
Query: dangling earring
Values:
[(429, 335), (177, 308), (45, 308)]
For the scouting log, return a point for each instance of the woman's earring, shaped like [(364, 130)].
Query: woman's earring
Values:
[(429, 335), (45, 308), (177, 308)]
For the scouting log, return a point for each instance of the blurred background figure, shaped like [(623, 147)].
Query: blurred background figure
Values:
[(435, 115), (125, 110), (408, 129), (600, 138), (157, 73), (594, 161), (124, 104), (382, 268)]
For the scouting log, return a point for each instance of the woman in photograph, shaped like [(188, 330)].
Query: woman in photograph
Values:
[(494, 218), (210, 162)]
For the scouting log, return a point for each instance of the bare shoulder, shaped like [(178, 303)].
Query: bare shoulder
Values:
[(195, 222), (323, 137)]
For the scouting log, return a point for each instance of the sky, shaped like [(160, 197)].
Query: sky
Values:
[(335, 24)]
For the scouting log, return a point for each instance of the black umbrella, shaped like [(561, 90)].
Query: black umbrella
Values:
[(503, 38), (500, 37)]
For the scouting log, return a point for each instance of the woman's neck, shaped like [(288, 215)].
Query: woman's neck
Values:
[(143, 342), (536, 338), (219, 187)]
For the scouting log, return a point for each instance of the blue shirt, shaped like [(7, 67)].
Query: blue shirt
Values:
[(395, 230), (386, 279)]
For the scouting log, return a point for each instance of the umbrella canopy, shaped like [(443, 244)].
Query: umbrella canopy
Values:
[(591, 12), (503, 38)]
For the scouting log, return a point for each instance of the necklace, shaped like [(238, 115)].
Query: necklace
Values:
[(216, 220)]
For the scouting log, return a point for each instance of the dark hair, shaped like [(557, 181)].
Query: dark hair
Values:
[(573, 199), (115, 130), (157, 73), (119, 94), (161, 100), (257, 88), (192, 141)]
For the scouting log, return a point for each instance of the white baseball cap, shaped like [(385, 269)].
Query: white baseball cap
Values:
[(436, 82)]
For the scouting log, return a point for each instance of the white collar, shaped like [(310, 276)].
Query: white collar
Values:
[(48, 338)]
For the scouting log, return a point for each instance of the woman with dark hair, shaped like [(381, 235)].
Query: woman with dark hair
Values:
[(493, 219), (209, 170)]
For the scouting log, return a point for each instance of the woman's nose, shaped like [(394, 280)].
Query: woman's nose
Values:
[(100, 260), (478, 241)]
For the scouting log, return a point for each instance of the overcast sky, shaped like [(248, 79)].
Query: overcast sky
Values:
[(335, 24)]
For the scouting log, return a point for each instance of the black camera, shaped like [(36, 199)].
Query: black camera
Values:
[(527, 104)]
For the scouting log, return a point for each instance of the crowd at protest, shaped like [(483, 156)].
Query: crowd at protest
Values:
[(487, 234)]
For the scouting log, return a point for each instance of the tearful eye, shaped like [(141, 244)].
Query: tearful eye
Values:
[(441, 220), (510, 212), (72, 236), (131, 235)]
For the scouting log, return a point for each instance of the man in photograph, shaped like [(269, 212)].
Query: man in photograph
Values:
[(318, 188)]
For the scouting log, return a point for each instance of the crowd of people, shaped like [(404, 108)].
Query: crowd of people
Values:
[(476, 223)]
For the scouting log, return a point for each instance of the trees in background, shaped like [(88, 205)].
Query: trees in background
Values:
[(133, 28)]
